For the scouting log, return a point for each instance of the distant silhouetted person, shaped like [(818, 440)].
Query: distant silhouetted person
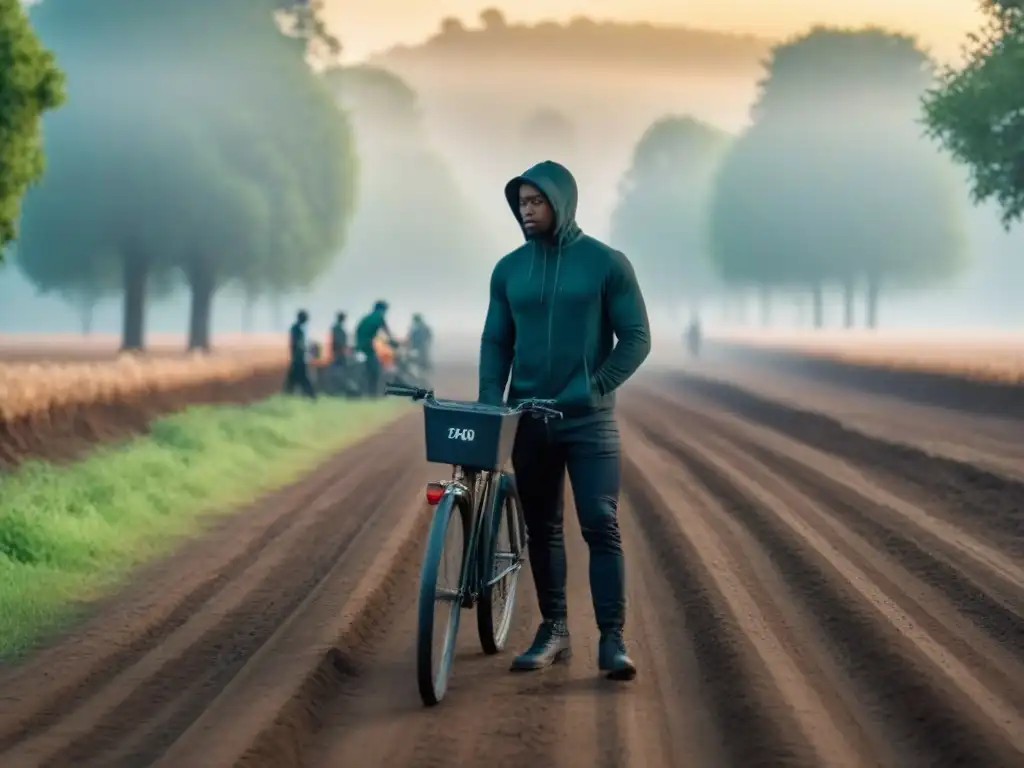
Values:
[(421, 338), (298, 370), (366, 334), (339, 340), (694, 335), (567, 319)]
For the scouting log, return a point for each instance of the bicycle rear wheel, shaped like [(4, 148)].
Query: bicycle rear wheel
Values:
[(502, 560), (442, 581)]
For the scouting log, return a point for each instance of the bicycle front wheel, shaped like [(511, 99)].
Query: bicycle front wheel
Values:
[(442, 581), (502, 559)]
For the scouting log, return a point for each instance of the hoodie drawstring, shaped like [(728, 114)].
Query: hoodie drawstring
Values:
[(551, 308)]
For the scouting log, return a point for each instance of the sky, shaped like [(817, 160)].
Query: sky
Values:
[(941, 25)]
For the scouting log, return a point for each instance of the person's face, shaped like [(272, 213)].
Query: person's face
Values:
[(535, 211)]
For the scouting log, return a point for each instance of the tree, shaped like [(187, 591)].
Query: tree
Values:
[(383, 107), (493, 20), (452, 27), (30, 84), (977, 111), (547, 131), (833, 183), (248, 179), (661, 218), (412, 219)]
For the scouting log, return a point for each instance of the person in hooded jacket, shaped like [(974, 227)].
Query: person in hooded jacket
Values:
[(567, 322)]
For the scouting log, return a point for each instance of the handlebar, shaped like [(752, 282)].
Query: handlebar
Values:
[(418, 394), (413, 393)]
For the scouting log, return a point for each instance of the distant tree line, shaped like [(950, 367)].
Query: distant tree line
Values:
[(585, 40), (413, 231), (199, 149), (833, 184)]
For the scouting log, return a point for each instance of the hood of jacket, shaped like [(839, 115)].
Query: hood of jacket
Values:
[(559, 186)]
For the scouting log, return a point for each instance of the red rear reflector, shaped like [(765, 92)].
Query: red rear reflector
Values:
[(434, 493)]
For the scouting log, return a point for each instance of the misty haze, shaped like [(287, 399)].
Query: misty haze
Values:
[(438, 128)]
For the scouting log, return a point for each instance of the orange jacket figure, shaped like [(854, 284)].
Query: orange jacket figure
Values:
[(385, 352)]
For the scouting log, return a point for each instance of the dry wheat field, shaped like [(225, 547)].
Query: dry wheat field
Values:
[(982, 355)]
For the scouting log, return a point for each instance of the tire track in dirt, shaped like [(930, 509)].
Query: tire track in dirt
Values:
[(743, 676), (489, 717), (910, 677), (128, 711), (976, 499), (976, 593), (492, 718)]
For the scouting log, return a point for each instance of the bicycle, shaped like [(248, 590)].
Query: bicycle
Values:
[(482, 499)]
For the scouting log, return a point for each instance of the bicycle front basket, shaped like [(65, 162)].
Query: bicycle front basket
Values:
[(472, 435)]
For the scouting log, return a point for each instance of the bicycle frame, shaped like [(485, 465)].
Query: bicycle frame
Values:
[(471, 491)]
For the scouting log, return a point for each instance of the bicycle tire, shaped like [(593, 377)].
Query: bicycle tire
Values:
[(501, 554), (433, 684)]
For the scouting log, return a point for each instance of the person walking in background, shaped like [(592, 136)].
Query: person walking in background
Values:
[(568, 321), (339, 341), (366, 333), (421, 339), (298, 367)]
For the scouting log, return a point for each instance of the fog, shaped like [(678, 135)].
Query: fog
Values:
[(437, 131)]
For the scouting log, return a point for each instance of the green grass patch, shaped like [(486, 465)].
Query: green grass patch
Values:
[(69, 534)]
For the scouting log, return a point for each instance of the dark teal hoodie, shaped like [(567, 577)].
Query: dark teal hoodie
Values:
[(566, 315)]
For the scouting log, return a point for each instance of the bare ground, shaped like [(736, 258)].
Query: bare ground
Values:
[(800, 595)]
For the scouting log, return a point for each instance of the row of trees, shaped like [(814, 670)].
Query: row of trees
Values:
[(412, 219), (197, 146), (833, 183)]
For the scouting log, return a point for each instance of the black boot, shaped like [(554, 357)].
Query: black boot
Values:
[(550, 644), (612, 657)]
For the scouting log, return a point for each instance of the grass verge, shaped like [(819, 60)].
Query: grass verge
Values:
[(69, 534)]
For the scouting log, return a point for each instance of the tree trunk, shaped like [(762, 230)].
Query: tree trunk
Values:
[(819, 307), (85, 316), (849, 295), (277, 312), (874, 289), (202, 285), (766, 306), (135, 276), (248, 304)]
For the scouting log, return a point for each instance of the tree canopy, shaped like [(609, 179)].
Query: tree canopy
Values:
[(548, 132), (977, 111), (197, 142), (833, 182), (662, 213), (30, 84)]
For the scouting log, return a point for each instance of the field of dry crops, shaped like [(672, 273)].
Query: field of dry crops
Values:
[(984, 356), (51, 373)]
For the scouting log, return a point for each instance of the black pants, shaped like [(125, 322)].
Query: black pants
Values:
[(298, 376), (589, 449)]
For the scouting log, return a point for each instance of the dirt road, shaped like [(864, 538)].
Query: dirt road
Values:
[(798, 597)]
